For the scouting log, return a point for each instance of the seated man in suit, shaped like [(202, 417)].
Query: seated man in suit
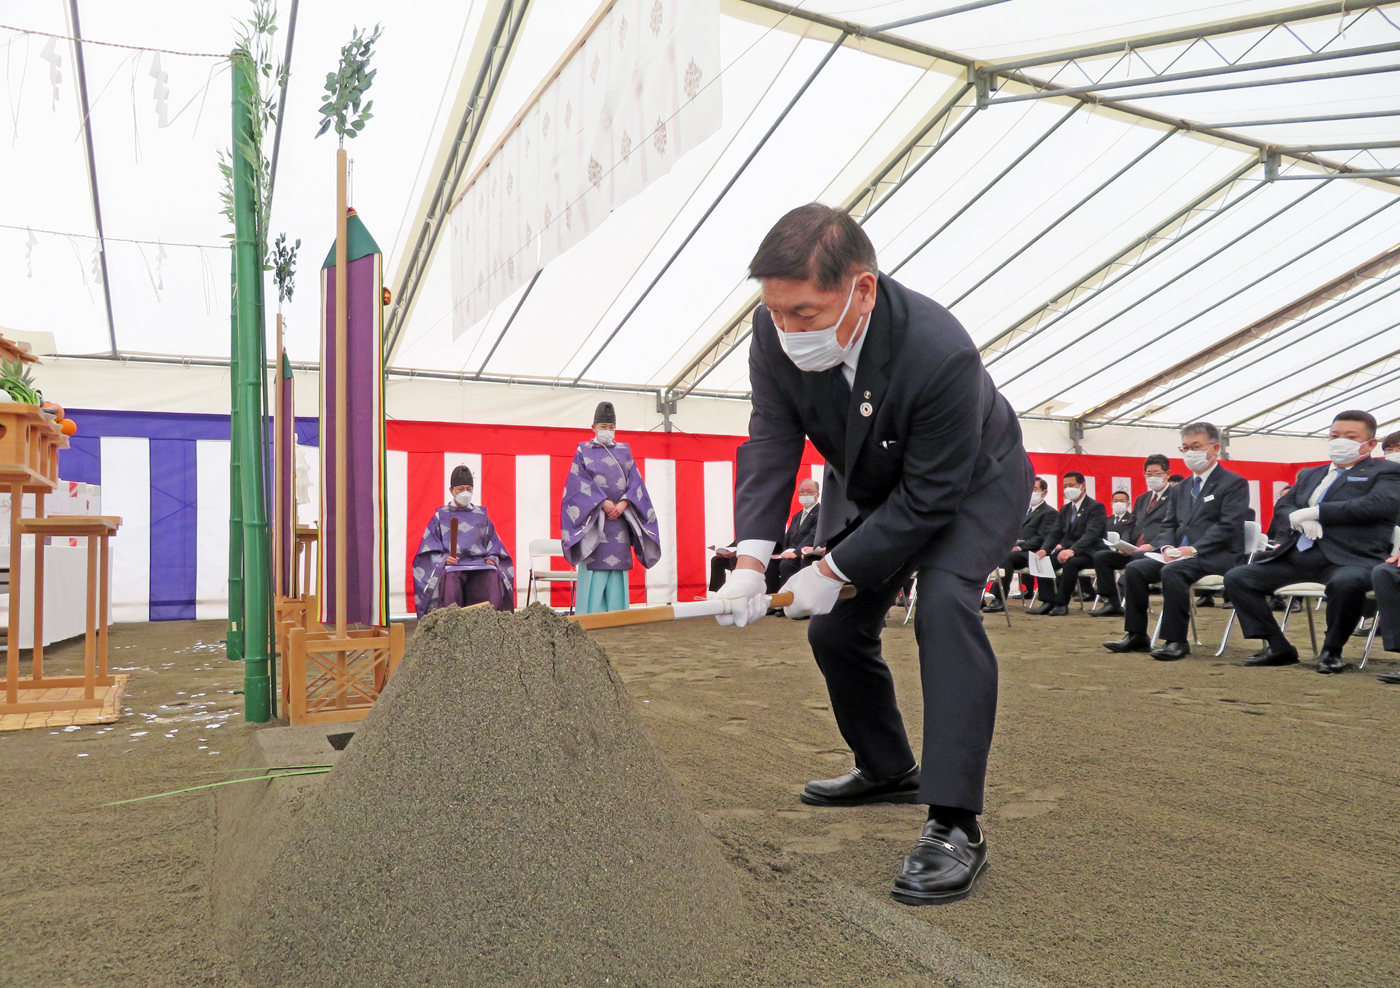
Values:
[(1040, 518), (1341, 517), (722, 563), (1120, 514), (1149, 511), (1078, 531), (1202, 533), (799, 544), (1385, 580)]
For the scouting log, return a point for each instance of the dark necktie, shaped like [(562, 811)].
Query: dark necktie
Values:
[(840, 387), (1196, 489)]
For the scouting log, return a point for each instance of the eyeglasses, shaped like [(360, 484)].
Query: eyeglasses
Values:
[(1195, 448)]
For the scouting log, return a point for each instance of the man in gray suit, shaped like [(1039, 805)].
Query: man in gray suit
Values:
[(925, 471)]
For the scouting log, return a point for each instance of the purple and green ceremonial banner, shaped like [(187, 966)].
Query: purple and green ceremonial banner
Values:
[(363, 528), (284, 504)]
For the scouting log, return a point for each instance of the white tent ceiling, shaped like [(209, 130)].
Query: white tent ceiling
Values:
[(1114, 250)]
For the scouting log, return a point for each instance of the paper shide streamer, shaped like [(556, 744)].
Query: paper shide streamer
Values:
[(160, 92), (50, 54)]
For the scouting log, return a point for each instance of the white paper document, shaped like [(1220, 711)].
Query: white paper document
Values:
[(1041, 566)]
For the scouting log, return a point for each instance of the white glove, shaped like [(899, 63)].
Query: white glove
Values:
[(812, 592), (1296, 519), (749, 592), (1312, 529), (1171, 553)]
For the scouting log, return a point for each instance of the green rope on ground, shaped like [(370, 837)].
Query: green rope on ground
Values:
[(211, 785)]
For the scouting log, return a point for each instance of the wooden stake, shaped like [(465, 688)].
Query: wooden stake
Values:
[(38, 671), (342, 274), (12, 646)]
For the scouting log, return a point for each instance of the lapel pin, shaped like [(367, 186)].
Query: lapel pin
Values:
[(866, 409), (867, 394)]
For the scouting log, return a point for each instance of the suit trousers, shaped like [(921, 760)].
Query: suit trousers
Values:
[(1107, 562), (1385, 580), (1015, 561), (1069, 572), (1249, 587), (720, 567), (1176, 579)]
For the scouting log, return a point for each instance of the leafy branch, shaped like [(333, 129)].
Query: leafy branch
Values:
[(284, 263), (253, 41), (345, 88)]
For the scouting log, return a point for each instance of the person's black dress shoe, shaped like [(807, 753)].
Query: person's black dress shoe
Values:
[(1059, 610), (1329, 660), (1171, 651), (1361, 631), (1044, 607), (1205, 601), (1107, 610), (855, 788), (943, 867), (1391, 678), (1267, 657), (995, 607), (1131, 642)]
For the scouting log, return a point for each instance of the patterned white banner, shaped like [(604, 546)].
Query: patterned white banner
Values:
[(642, 90)]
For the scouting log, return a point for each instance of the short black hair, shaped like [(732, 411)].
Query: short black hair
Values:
[(1199, 428), (1126, 495), (1157, 460), (1075, 474), (1040, 484), (1358, 415), (1391, 441), (1175, 478), (814, 243)]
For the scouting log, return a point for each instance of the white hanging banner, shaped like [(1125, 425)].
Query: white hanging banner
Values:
[(641, 91)]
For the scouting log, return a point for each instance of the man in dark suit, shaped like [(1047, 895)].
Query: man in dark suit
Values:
[(1078, 531), (1202, 533), (800, 540), (925, 471), (1341, 516), (1149, 512), (1120, 515), (1039, 519)]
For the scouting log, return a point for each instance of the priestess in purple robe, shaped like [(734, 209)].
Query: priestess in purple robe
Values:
[(483, 572), (603, 472)]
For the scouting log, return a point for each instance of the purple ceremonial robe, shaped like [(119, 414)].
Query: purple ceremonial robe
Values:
[(476, 540), (607, 473)]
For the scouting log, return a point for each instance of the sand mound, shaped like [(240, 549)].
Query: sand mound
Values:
[(501, 818)]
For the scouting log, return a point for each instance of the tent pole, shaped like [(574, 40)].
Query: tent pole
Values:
[(248, 398)]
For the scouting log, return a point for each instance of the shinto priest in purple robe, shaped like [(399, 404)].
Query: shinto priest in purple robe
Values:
[(603, 478), (483, 571)]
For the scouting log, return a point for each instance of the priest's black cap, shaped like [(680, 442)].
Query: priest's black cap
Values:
[(462, 476), (605, 413)]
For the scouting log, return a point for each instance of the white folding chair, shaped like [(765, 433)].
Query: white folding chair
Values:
[(546, 549), (1371, 595), (998, 593)]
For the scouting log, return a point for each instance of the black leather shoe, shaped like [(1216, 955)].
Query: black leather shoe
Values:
[(1391, 678), (1107, 610), (943, 867), (1329, 660), (1361, 631), (1266, 657), (1059, 610), (1130, 642), (995, 607), (1205, 601), (1171, 651), (1044, 607), (855, 788)]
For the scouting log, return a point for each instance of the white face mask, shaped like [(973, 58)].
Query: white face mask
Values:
[(605, 435), (1119, 508), (463, 498), (806, 500), (1156, 483), (1036, 499), (1343, 451), (1071, 493), (1393, 456), (1197, 460), (818, 350)]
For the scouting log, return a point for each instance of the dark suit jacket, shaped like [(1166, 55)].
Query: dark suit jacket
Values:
[(1148, 524), (1084, 534), (924, 429), (800, 532), (1125, 526), (1214, 525), (1358, 512), (1035, 527)]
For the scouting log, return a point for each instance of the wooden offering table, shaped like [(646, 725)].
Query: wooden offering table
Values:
[(98, 529)]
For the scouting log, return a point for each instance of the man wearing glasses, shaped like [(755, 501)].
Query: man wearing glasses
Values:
[(1203, 533)]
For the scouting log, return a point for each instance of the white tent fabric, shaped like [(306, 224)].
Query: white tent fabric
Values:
[(1118, 248)]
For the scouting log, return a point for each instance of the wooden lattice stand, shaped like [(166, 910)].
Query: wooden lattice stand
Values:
[(330, 679)]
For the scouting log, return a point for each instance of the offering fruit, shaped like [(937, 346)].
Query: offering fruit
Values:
[(67, 426)]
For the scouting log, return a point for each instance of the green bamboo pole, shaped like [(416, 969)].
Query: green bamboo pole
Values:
[(247, 402), (233, 644)]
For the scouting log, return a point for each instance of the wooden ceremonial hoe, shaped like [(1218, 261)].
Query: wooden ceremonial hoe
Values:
[(710, 607)]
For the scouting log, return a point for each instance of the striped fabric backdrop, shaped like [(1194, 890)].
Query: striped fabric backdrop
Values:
[(166, 475)]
